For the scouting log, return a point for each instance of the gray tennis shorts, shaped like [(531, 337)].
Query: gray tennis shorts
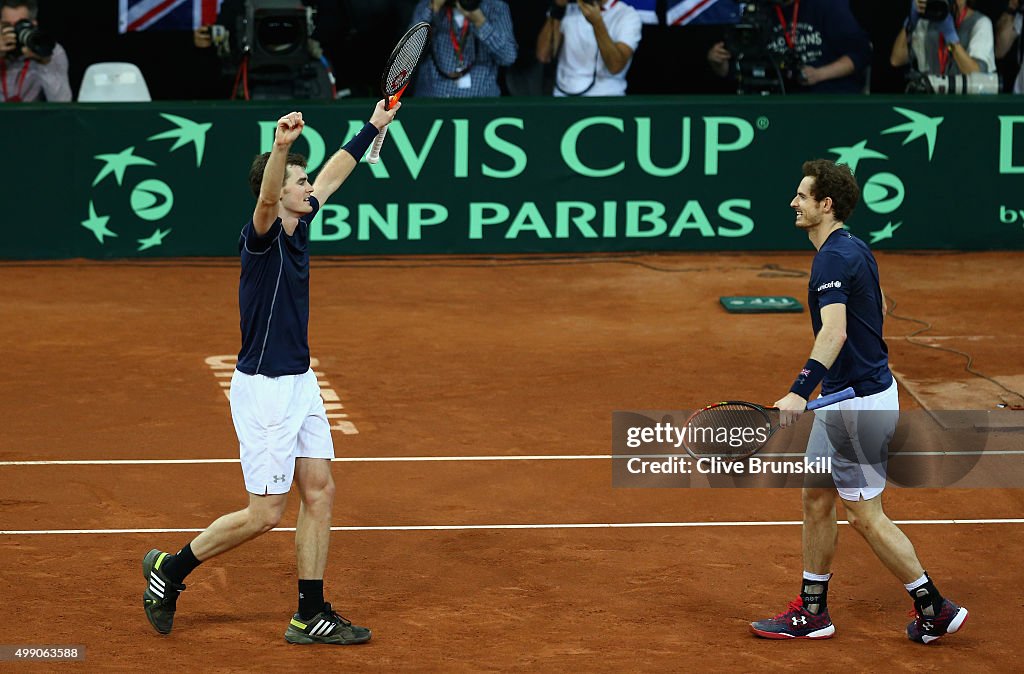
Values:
[(855, 434)]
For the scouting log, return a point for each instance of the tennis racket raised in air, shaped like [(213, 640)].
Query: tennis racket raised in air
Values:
[(398, 73), (735, 430)]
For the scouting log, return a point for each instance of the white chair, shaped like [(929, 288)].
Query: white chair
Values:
[(113, 82)]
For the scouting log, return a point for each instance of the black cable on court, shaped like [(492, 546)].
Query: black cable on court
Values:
[(968, 367), (434, 262), (527, 260)]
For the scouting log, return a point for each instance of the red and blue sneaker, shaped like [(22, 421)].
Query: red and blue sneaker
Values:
[(925, 629), (795, 623)]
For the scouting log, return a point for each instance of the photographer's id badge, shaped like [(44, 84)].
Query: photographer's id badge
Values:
[(464, 82)]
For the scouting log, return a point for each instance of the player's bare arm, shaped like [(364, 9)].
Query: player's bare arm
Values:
[(288, 130), (342, 163), (827, 346)]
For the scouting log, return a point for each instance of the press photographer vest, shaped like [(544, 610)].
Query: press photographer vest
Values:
[(925, 46)]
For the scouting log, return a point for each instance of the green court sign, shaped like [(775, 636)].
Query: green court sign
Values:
[(520, 175)]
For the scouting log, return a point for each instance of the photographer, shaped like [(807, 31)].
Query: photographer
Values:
[(32, 64), (960, 42), (594, 41), (471, 40), (1008, 30), (817, 45)]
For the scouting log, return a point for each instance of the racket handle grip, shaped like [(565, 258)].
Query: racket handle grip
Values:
[(831, 398), (377, 143)]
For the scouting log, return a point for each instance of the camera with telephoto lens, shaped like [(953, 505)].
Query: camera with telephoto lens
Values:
[(27, 34), (466, 5), (954, 85)]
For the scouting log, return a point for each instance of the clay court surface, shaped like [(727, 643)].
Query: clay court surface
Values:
[(477, 357)]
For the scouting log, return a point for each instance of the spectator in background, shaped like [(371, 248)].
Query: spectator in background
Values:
[(29, 72), (831, 48), (594, 41), (962, 43), (1008, 30), (471, 40)]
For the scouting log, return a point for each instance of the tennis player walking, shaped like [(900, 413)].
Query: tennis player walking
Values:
[(846, 307), (276, 407)]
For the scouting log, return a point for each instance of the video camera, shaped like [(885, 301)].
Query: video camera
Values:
[(272, 40), (758, 68)]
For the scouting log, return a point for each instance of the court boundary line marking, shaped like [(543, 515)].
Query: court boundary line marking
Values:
[(496, 457), (486, 527)]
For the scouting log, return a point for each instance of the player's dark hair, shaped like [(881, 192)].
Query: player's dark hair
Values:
[(31, 5), (259, 165), (835, 181)]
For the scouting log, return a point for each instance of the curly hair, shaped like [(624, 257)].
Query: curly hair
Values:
[(259, 165), (835, 181)]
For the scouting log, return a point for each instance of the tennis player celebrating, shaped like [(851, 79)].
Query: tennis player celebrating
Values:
[(846, 307), (276, 407)]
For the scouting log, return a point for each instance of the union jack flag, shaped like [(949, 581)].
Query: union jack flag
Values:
[(682, 12), (165, 14)]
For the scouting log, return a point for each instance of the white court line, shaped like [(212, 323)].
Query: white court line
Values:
[(470, 527), (398, 459)]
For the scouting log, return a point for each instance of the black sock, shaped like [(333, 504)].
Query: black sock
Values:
[(927, 599), (177, 567), (311, 598), (814, 594)]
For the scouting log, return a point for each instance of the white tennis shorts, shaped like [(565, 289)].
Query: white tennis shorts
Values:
[(278, 419), (855, 433)]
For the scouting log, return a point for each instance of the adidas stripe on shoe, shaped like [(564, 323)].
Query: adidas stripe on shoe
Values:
[(161, 595), (326, 627)]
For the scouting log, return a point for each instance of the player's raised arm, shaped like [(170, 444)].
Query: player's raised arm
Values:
[(342, 162), (289, 128)]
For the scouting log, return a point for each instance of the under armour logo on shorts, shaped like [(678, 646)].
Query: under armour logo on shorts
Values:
[(278, 478)]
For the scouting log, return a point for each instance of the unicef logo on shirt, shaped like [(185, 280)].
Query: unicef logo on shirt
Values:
[(111, 213)]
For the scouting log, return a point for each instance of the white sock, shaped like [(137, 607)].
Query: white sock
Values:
[(819, 577), (916, 584)]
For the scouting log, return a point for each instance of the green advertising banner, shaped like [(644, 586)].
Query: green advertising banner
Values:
[(518, 175)]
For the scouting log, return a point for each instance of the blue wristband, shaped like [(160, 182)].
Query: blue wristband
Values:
[(360, 143), (808, 379)]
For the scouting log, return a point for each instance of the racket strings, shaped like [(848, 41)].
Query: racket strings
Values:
[(406, 60), (727, 430)]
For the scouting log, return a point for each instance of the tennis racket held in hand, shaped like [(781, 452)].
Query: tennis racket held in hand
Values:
[(398, 73), (733, 430)]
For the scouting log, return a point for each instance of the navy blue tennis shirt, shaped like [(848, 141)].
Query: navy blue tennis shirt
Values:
[(844, 271), (273, 298)]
